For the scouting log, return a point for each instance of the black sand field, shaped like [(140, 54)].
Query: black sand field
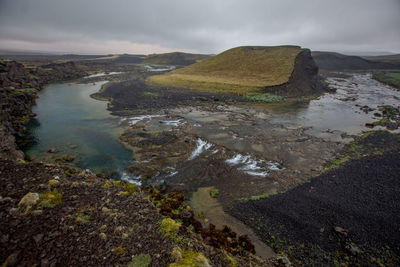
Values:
[(136, 95), (362, 197)]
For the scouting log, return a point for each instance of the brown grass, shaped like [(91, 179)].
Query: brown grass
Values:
[(238, 70)]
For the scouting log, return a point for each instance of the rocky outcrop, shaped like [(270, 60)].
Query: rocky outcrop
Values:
[(14, 75), (304, 80), (18, 90), (15, 112)]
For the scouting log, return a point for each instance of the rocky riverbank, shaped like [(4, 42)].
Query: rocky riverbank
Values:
[(19, 85)]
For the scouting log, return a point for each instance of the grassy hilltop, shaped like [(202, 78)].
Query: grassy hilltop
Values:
[(238, 70)]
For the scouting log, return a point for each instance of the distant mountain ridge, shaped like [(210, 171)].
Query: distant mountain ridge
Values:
[(174, 58), (393, 59), (339, 62)]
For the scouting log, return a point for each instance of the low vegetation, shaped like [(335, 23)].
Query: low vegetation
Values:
[(240, 70), (170, 228), (50, 199), (254, 198), (214, 193), (24, 91), (337, 163), (264, 97), (82, 218), (362, 147), (141, 260), (390, 77), (189, 258), (127, 188)]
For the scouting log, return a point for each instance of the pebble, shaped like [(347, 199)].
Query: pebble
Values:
[(353, 249), (341, 231), (5, 200), (103, 236), (13, 211)]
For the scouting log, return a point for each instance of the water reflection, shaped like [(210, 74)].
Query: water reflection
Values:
[(69, 122)]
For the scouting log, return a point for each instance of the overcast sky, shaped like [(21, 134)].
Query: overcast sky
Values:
[(204, 26)]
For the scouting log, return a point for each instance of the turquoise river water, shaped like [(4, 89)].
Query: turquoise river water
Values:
[(71, 122)]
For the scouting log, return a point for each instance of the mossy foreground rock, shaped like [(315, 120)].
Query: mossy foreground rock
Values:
[(246, 69), (91, 221), (188, 258), (28, 201)]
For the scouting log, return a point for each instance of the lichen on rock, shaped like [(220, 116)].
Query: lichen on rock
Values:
[(27, 202), (50, 199), (184, 258)]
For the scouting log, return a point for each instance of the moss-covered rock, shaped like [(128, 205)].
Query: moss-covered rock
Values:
[(50, 199), (170, 228), (82, 218), (53, 183), (141, 260), (184, 258), (27, 202)]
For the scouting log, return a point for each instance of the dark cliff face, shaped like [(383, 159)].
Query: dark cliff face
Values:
[(18, 90), (8, 126), (15, 111), (14, 75), (304, 80)]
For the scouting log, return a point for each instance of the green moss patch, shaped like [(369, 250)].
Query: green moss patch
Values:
[(214, 193), (50, 199), (169, 228), (25, 119), (127, 188), (130, 188), (336, 163), (264, 97), (82, 218), (254, 198), (24, 91), (189, 258), (141, 260), (390, 77)]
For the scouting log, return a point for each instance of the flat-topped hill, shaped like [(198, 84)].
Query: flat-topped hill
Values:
[(238, 70)]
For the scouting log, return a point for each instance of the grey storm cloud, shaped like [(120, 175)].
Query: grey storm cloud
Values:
[(206, 26)]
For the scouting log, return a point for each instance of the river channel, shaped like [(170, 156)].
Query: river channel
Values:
[(70, 122)]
